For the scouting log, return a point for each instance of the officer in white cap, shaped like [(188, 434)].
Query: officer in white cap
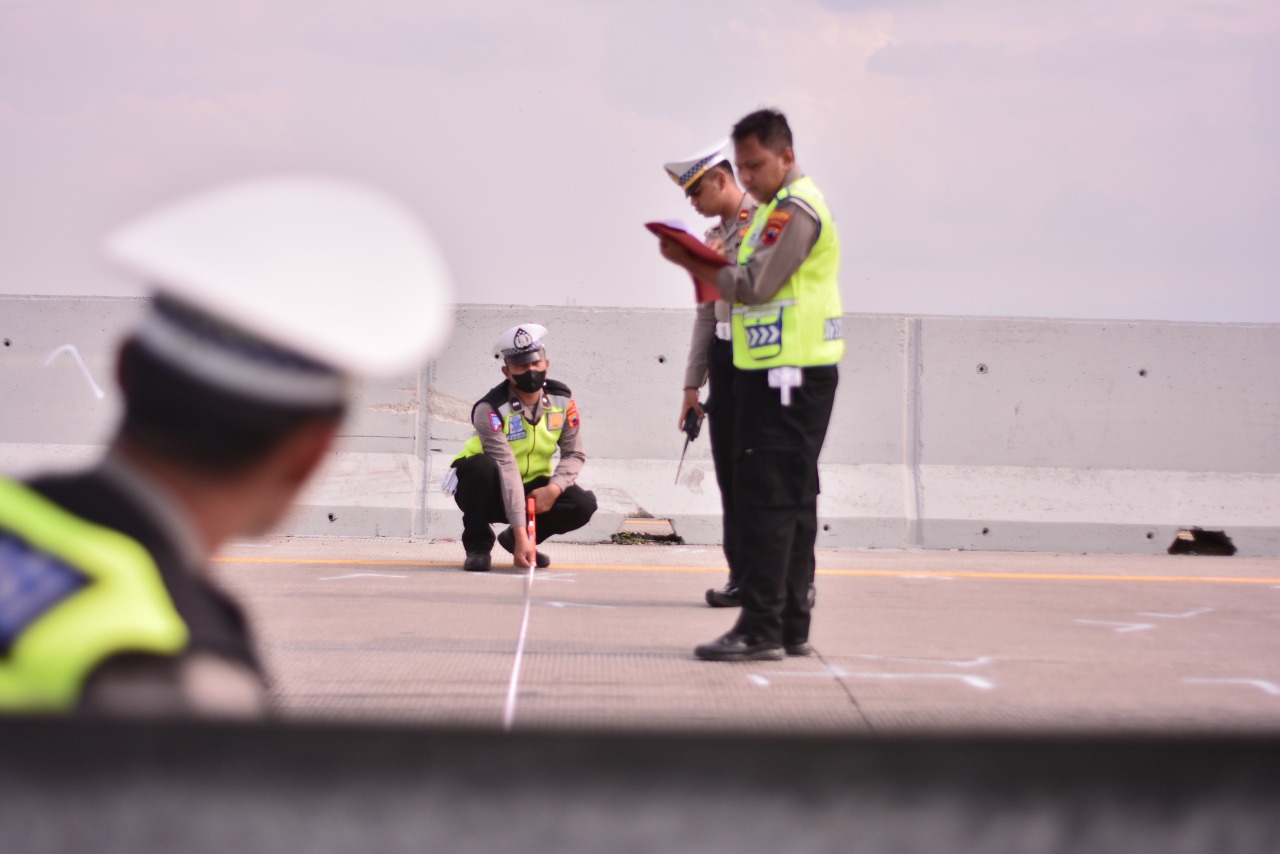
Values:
[(708, 182), (272, 296), (520, 425), (788, 340)]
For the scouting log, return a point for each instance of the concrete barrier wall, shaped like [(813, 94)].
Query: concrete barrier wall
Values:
[(949, 432)]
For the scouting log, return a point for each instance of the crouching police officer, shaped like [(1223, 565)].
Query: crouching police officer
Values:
[(520, 424), (273, 294)]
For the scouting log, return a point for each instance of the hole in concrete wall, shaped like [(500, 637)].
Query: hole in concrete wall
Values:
[(7, 342), (662, 360), (826, 527), (332, 517), (646, 529), (1151, 535), (982, 368), (1142, 372), (1197, 541), (986, 531)]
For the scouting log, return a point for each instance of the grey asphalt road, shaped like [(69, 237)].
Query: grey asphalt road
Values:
[(907, 641)]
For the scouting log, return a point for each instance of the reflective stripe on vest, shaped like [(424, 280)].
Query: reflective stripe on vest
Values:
[(534, 445), (72, 594), (802, 325)]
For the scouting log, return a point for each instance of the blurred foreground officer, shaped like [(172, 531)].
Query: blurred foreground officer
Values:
[(787, 341), (708, 182), (272, 295), (520, 424)]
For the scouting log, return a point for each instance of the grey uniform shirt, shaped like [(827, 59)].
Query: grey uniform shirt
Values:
[(772, 263), (730, 232), (496, 446)]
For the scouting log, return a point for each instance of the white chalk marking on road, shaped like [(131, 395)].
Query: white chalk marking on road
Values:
[(542, 576), (1118, 627), (977, 682), (1260, 684), (973, 662), (71, 348), (362, 575), (509, 710), (576, 605), (758, 679), (1197, 612)]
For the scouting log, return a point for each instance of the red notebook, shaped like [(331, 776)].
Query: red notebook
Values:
[(704, 292)]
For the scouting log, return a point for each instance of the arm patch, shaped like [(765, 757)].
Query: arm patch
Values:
[(773, 227)]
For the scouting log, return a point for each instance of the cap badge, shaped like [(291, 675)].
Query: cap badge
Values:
[(523, 340)]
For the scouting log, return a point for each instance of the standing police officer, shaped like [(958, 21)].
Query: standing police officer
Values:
[(708, 182), (520, 424), (273, 294), (787, 341)]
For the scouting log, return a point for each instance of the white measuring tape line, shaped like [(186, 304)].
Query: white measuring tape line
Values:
[(509, 712), (513, 687)]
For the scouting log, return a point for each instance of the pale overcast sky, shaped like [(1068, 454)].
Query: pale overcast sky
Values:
[(1109, 159)]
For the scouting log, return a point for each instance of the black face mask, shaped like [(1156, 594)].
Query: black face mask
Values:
[(529, 381)]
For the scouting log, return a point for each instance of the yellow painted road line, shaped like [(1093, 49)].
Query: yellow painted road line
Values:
[(862, 573)]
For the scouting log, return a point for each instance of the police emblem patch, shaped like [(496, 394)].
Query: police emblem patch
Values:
[(555, 420), (516, 429), (495, 422), (773, 227), (572, 414)]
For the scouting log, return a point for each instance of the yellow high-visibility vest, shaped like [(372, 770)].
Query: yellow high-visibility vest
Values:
[(533, 444), (802, 325), (72, 594)]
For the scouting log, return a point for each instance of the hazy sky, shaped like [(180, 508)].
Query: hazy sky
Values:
[(1117, 159)]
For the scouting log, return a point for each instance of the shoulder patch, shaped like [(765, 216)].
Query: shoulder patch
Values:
[(31, 583), (572, 414), (773, 227), (495, 422)]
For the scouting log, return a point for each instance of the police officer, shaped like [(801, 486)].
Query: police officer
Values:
[(520, 424), (272, 295), (787, 341), (708, 182)]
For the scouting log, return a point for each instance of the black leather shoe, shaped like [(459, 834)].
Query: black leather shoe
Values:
[(798, 648), (726, 597), (476, 562), (508, 541), (739, 647)]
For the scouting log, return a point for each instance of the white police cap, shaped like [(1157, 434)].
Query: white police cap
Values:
[(521, 344), (685, 172), (331, 270)]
